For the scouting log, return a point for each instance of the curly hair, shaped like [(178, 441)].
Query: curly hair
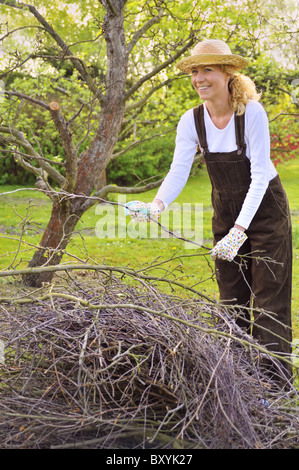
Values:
[(241, 88)]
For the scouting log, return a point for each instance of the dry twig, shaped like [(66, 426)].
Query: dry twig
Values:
[(115, 365)]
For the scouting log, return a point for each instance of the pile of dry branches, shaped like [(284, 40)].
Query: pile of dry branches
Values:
[(126, 366)]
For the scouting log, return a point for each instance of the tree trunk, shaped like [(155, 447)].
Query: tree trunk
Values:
[(55, 239), (93, 162)]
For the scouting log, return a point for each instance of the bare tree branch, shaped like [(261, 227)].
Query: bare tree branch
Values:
[(28, 98), (17, 138), (158, 69), (70, 152), (283, 114), (6, 72), (19, 29), (150, 93), (138, 142), (111, 188), (30, 157)]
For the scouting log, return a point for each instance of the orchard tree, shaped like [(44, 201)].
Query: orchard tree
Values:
[(95, 77)]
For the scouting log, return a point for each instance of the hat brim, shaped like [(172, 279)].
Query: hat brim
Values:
[(189, 63)]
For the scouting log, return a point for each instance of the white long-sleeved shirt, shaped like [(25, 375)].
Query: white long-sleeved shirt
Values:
[(257, 141)]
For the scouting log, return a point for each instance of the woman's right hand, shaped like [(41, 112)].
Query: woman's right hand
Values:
[(143, 212)]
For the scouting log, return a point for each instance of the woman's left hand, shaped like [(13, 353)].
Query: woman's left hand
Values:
[(228, 247)]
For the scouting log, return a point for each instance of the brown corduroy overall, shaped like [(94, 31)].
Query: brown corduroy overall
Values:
[(266, 276)]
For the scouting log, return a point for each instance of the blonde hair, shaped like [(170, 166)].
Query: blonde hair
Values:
[(241, 90)]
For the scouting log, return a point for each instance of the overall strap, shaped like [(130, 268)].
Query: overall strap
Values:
[(200, 127), (240, 133), (201, 130)]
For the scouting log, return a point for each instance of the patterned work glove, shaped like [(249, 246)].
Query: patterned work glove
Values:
[(142, 212), (228, 247)]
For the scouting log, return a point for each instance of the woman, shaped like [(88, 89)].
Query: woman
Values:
[(251, 214)]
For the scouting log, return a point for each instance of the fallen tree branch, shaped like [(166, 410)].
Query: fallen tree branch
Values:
[(118, 269), (136, 307), (90, 370)]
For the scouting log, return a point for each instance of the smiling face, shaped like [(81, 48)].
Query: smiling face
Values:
[(210, 82)]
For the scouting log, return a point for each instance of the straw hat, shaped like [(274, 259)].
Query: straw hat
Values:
[(212, 52)]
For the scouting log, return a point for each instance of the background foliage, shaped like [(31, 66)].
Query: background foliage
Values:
[(33, 65)]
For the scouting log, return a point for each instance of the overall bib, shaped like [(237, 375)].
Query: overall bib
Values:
[(264, 281)]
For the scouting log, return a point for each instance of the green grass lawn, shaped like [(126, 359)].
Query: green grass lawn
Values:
[(27, 212)]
